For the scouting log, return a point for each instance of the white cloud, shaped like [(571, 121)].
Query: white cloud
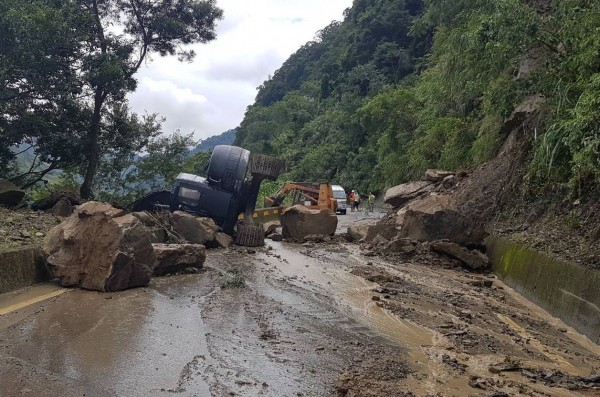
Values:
[(210, 94)]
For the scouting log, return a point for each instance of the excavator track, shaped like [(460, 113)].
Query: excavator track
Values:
[(265, 167), (250, 235)]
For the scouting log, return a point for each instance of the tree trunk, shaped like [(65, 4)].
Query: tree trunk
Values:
[(93, 146)]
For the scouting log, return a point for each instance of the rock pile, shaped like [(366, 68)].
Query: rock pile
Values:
[(425, 215), (103, 248)]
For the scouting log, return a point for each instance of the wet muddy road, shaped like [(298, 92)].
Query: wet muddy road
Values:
[(308, 322)]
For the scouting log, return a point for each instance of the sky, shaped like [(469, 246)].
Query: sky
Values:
[(209, 95)]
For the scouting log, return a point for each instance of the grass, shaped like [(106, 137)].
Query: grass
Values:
[(234, 279)]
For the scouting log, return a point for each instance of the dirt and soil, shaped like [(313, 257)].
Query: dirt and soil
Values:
[(500, 195), (19, 227), (313, 319)]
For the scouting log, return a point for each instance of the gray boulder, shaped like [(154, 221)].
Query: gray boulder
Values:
[(399, 195), (474, 260), (63, 208), (173, 258), (446, 225), (194, 230), (401, 246), (434, 218), (223, 240), (437, 175), (384, 230), (357, 232)]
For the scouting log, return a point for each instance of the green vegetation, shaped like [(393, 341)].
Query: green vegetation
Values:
[(395, 88), (66, 68), (234, 279), (400, 86)]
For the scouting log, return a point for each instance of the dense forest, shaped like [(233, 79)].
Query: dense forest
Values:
[(400, 86), (396, 87)]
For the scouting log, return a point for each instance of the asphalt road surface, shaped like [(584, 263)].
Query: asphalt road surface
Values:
[(299, 320)]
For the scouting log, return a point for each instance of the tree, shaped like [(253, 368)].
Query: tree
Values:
[(113, 57), (66, 67), (123, 176), (40, 49)]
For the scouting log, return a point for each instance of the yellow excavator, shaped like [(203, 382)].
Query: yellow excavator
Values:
[(310, 195)]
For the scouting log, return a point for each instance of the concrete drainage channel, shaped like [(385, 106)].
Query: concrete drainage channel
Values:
[(566, 290), (22, 267)]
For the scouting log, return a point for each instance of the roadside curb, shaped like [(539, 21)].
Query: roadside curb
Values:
[(566, 290), (22, 267)]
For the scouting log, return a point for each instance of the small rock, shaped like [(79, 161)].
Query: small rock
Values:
[(39, 234), (25, 234), (376, 298), (482, 283), (276, 236), (3, 232), (223, 240), (369, 253), (314, 238), (251, 251)]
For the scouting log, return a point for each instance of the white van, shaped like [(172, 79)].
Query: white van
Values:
[(340, 195)]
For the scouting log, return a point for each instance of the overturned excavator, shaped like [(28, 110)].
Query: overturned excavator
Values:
[(231, 186)]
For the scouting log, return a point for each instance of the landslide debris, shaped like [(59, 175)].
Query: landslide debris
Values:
[(426, 225)]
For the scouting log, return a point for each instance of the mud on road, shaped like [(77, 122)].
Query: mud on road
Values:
[(310, 320)]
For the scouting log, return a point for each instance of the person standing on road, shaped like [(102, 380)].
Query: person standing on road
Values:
[(352, 199), (370, 201), (356, 200)]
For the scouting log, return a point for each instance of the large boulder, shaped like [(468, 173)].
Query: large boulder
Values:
[(173, 258), (399, 195), (67, 196), (100, 248), (192, 229), (299, 222), (437, 175), (401, 245), (357, 232), (63, 208), (271, 227), (434, 218), (10, 194), (429, 204), (145, 217), (473, 259), (381, 229)]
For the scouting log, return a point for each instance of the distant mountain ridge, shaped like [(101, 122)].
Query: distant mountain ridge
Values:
[(208, 144)]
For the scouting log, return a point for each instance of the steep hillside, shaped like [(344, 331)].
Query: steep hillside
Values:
[(401, 86), (309, 112)]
